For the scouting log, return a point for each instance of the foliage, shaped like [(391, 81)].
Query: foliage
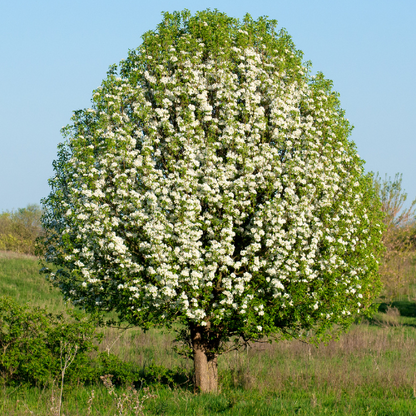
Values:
[(32, 342), (19, 229), (392, 198), (399, 234), (212, 183)]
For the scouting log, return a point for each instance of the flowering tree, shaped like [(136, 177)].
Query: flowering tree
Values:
[(212, 184)]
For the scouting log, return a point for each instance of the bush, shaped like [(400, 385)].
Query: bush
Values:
[(124, 373), (34, 343)]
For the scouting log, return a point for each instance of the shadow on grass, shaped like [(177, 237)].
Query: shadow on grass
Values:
[(397, 313), (405, 307), (160, 375), (126, 373)]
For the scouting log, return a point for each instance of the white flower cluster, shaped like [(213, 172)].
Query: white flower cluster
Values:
[(212, 190)]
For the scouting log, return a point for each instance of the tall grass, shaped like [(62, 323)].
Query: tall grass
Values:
[(378, 357)]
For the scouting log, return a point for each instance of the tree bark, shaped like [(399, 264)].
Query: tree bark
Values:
[(205, 366)]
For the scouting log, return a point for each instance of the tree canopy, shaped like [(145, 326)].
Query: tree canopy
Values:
[(212, 184)]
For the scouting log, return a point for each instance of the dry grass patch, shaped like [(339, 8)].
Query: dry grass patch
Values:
[(364, 359)]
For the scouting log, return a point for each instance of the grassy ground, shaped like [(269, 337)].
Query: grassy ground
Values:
[(371, 370), (237, 402), (20, 279)]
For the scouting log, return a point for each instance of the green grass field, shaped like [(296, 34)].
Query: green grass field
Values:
[(371, 370), (21, 280)]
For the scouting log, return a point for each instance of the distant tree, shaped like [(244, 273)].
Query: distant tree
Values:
[(399, 234), (212, 184), (19, 229)]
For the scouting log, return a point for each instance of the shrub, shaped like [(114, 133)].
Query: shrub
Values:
[(33, 342)]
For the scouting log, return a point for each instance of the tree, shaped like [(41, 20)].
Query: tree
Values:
[(398, 236), (19, 229), (212, 184)]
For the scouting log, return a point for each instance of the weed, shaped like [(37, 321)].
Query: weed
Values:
[(128, 402)]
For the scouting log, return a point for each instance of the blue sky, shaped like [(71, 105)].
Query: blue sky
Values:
[(54, 53)]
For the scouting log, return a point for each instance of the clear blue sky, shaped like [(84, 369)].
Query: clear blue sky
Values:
[(54, 53)]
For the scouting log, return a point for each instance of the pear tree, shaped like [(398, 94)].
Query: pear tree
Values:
[(212, 186)]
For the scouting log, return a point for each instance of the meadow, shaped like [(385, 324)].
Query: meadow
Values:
[(371, 370)]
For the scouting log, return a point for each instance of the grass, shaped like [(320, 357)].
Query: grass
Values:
[(371, 370), (20, 279), (178, 402)]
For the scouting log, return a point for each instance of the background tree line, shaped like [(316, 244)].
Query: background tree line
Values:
[(399, 237), (20, 228)]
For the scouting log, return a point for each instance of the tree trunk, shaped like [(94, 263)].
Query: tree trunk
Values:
[(206, 374)]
